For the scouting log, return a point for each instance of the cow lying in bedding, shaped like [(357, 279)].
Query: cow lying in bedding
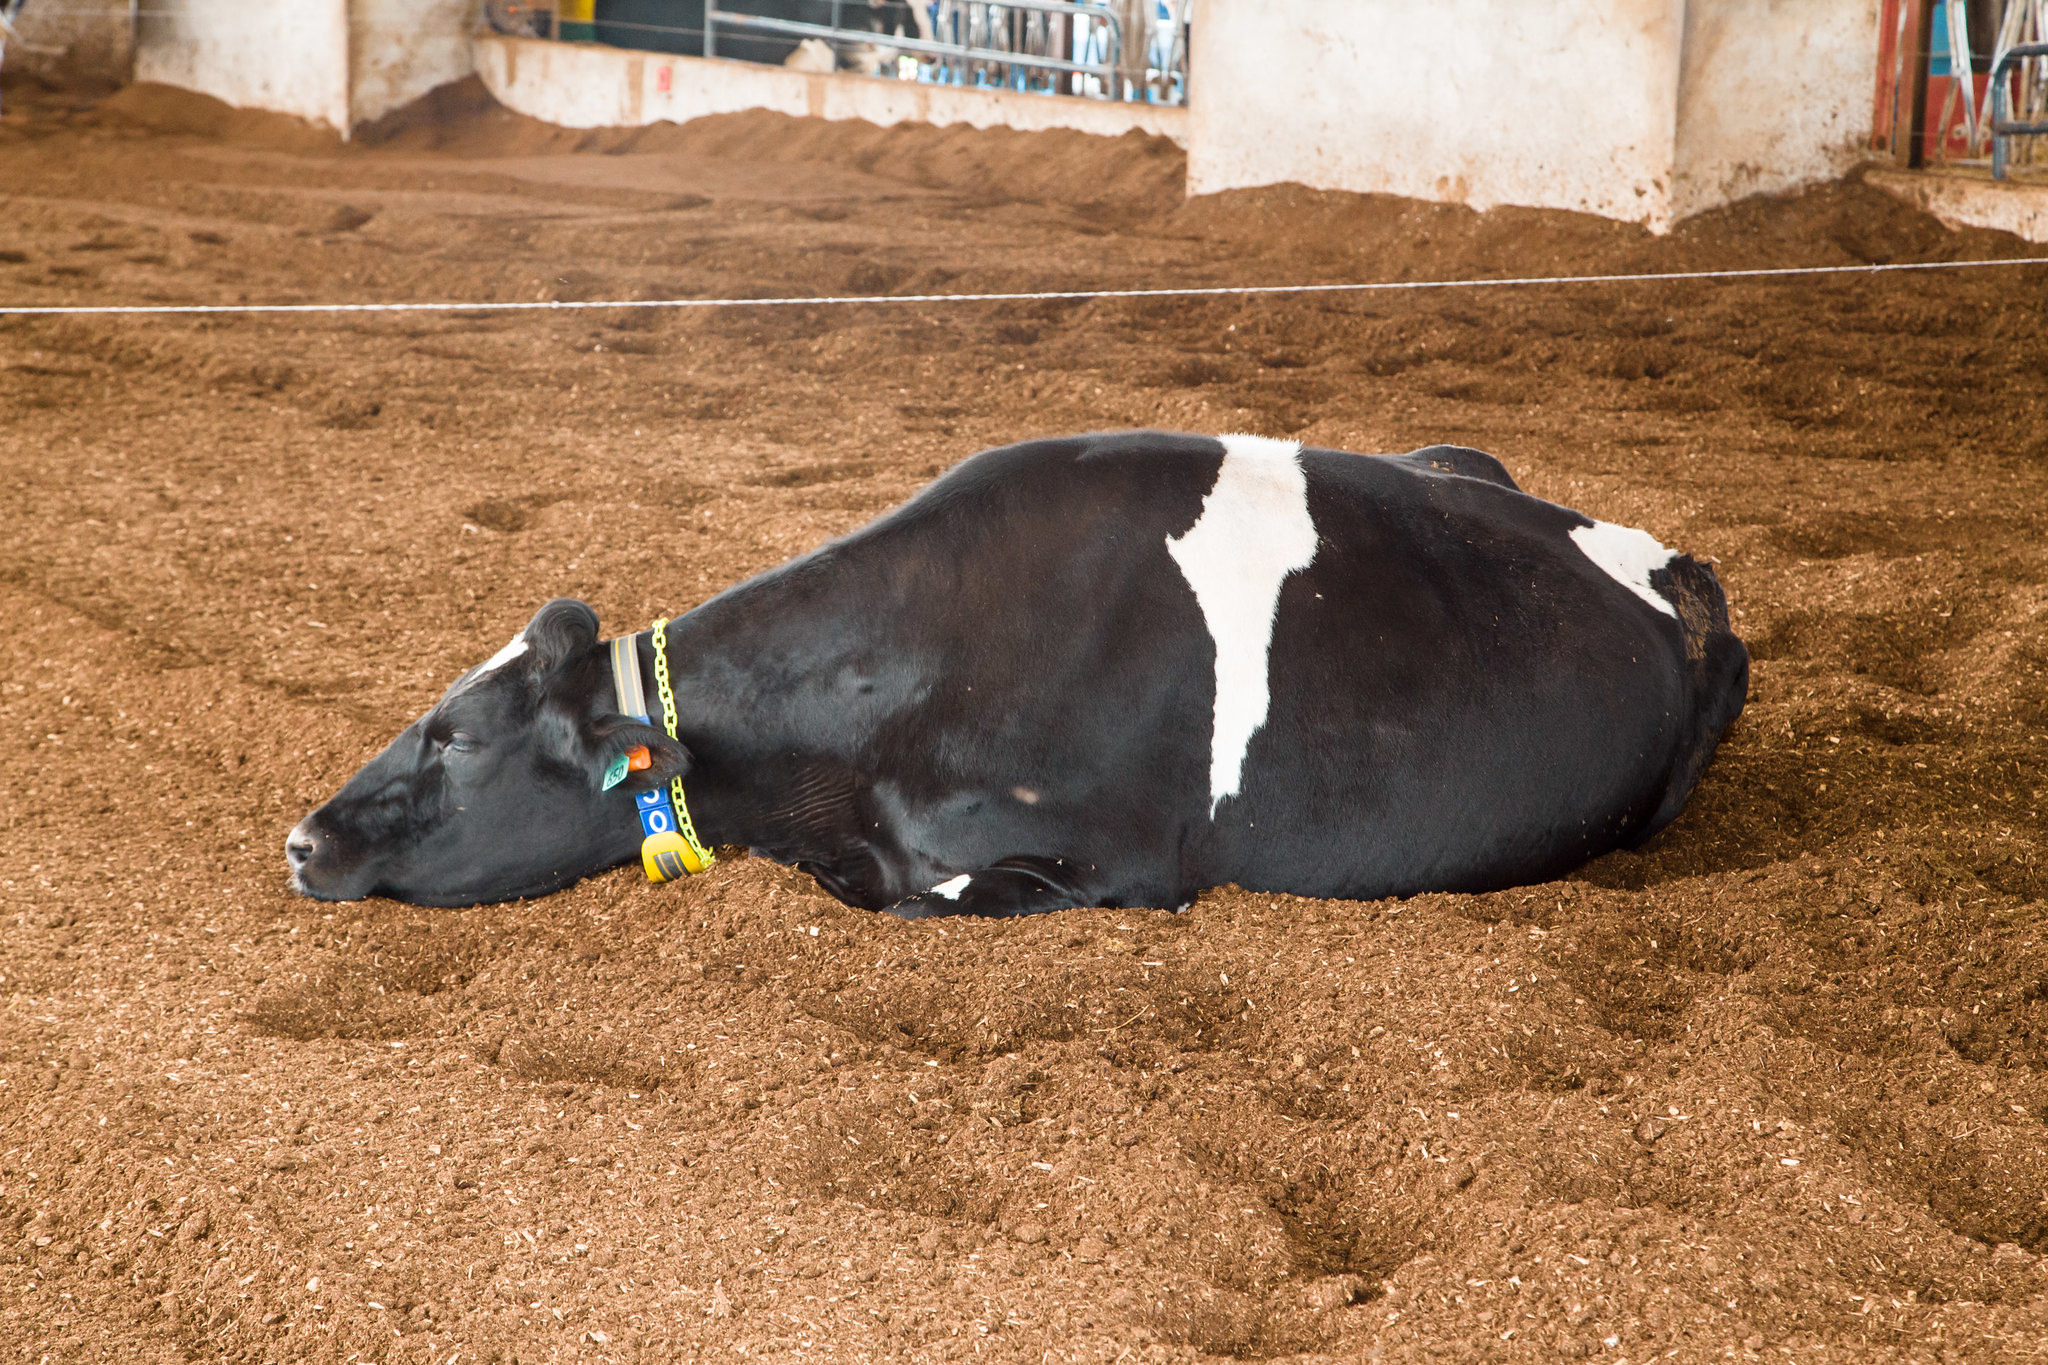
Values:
[(1099, 670)]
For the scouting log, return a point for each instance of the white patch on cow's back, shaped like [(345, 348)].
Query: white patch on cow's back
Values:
[(1627, 556), (1254, 531), (952, 887)]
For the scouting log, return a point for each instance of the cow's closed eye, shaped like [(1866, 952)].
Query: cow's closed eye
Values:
[(462, 742)]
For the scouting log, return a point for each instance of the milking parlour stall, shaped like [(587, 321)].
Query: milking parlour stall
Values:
[(1464, 784)]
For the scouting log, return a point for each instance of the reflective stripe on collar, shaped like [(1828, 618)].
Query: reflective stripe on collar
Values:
[(668, 847), (626, 677)]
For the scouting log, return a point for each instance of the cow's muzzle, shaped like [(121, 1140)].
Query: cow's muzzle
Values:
[(299, 847), (311, 855)]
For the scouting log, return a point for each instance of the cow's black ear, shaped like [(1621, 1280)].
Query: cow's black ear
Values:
[(563, 629), (616, 737)]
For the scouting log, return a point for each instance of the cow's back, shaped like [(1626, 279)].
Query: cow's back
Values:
[(1022, 661)]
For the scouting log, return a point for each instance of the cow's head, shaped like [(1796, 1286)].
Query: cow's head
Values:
[(497, 792)]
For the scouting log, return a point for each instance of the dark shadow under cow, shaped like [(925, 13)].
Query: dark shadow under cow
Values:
[(1101, 670)]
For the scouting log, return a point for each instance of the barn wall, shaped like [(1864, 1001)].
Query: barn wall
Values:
[(1771, 96), (1465, 101), (73, 45), (1641, 110), (289, 58), (401, 49), (585, 85), (2016, 206)]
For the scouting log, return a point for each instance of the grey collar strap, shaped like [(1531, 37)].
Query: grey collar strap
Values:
[(626, 684)]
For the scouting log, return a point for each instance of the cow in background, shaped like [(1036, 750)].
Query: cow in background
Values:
[(678, 26)]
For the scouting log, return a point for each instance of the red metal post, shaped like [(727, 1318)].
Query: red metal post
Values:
[(1881, 115), (1909, 127)]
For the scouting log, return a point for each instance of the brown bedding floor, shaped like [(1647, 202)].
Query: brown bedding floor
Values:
[(1770, 1088)]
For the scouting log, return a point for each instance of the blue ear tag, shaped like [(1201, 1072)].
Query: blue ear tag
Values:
[(616, 773)]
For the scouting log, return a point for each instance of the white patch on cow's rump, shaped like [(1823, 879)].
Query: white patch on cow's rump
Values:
[(1627, 556), (952, 887), (1254, 531)]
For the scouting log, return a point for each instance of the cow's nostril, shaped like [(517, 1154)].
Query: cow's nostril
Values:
[(298, 849)]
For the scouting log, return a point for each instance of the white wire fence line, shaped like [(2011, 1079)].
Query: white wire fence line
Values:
[(1030, 296)]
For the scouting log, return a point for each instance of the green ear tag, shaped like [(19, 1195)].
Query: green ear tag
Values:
[(616, 773)]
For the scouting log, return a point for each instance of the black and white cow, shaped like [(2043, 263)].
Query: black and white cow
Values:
[(1102, 670), (678, 25)]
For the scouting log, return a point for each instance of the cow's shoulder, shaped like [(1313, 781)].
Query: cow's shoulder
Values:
[(1459, 460), (1099, 471), (1096, 450), (1148, 445)]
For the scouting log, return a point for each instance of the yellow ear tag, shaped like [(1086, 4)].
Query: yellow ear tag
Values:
[(667, 857)]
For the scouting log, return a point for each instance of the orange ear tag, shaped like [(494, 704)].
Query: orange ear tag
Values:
[(638, 759)]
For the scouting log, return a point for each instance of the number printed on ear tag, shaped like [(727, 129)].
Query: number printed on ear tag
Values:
[(616, 773)]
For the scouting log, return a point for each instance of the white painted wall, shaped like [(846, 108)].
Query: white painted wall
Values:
[(401, 49), (584, 85), (1480, 102), (93, 43), (1771, 96), (337, 62), (292, 58), (1641, 110), (2016, 206)]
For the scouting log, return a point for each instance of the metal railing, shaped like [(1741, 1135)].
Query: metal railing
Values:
[(977, 49), (2002, 126), (1101, 49)]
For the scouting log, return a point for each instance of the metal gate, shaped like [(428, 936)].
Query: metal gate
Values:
[(1133, 50)]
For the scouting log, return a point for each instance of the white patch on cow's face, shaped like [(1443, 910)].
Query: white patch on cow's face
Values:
[(952, 887), (1627, 556), (514, 647), (512, 650), (1254, 530)]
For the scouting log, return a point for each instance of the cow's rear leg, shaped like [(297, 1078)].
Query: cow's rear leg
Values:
[(1014, 886)]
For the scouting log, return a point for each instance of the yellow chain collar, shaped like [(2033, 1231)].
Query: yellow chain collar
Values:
[(694, 855)]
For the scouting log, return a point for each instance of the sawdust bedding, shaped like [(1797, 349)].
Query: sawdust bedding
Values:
[(1770, 1088)]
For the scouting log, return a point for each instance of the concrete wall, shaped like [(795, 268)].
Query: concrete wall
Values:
[(337, 62), (583, 85), (1480, 102), (2016, 206), (1771, 96), (401, 49), (1643, 110), (292, 58), (90, 44)]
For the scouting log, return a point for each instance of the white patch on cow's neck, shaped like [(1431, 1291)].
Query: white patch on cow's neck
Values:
[(952, 887), (1254, 530), (1627, 556), (512, 650)]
